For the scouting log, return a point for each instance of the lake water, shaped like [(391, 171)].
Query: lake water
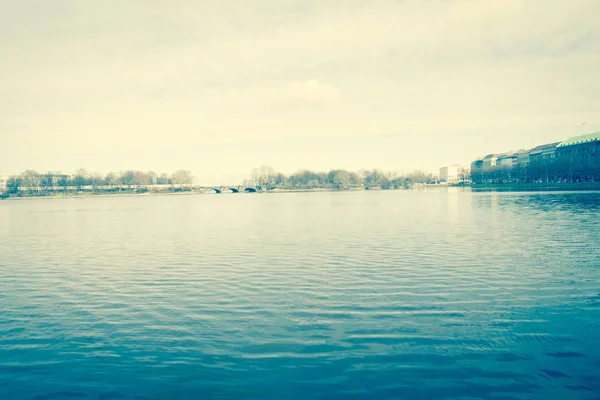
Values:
[(407, 294)]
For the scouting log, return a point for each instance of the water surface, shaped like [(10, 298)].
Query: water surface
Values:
[(403, 294)]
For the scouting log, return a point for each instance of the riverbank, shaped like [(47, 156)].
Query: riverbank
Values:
[(512, 187), (203, 191), (99, 194), (533, 187)]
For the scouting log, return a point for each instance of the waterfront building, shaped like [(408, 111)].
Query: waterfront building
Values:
[(541, 159), (490, 168), (508, 160), (578, 158), (489, 162), (523, 158), (3, 181), (549, 153), (477, 170), (542, 153), (454, 173), (505, 165)]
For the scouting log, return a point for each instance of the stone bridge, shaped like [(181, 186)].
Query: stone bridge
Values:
[(233, 189)]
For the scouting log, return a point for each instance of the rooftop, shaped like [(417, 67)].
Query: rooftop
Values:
[(509, 154), (542, 147), (590, 137)]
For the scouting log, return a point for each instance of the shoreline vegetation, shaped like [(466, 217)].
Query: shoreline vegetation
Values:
[(191, 191), (30, 184), (264, 179)]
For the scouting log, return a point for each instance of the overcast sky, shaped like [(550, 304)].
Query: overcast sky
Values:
[(221, 87)]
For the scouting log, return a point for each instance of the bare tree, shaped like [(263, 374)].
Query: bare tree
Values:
[(80, 178), (63, 182), (31, 180), (265, 175), (182, 177), (13, 184), (152, 178), (140, 178), (256, 175), (127, 178), (96, 180), (46, 182), (339, 178), (111, 179), (163, 179)]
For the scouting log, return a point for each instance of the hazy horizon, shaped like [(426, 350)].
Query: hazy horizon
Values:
[(220, 89)]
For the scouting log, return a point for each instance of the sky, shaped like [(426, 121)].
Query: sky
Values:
[(220, 88)]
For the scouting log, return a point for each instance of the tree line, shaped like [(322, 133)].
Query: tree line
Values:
[(267, 177), (33, 183)]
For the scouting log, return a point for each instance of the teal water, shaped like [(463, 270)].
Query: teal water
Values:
[(406, 294)]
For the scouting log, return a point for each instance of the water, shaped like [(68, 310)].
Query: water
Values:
[(406, 294)]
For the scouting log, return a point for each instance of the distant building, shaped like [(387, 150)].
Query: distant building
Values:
[(3, 181), (576, 159), (549, 153), (489, 162), (507, 161), (505, 166), (523, 158), (539, 154), (477, 170), (540, 162), (55, 178), (454, 174)]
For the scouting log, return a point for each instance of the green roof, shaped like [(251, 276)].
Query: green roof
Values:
[(590, 137)]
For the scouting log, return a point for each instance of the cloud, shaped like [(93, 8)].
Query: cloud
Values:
[(483, 73)]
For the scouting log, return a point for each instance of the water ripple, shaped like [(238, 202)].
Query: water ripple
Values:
[(359, 295)]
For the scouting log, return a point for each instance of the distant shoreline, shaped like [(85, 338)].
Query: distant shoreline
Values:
[(533, 187), (181, 193), (507, 187), (87, 195)]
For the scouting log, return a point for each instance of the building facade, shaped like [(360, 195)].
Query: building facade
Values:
[(477, 170), (3, 181), (455, 174), (576, 159)]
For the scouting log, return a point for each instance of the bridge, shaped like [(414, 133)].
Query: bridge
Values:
[(233, 189)]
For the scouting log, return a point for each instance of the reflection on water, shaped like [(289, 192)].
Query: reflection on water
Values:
[(406, 294)]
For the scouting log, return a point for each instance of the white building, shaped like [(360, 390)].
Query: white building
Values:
[(3, 181), (454, 173)]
